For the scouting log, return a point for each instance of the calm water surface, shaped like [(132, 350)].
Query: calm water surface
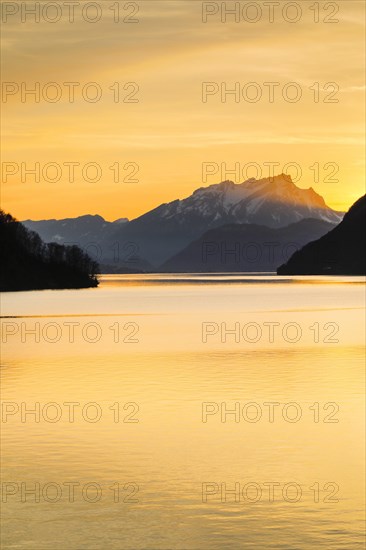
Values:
[(188, 412)]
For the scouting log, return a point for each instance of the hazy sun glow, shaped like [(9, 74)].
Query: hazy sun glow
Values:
[(170, 132)]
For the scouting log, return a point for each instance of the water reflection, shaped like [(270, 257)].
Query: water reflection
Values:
[(193, 400)]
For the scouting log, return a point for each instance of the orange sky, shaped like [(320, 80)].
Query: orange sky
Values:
[(169, 132)]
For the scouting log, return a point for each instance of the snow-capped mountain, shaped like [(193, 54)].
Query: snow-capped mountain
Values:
[(162, 232), (273, 202), (276, 202)]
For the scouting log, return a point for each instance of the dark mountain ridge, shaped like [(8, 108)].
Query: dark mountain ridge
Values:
[(339, 252), (80, 231), (245, 247)]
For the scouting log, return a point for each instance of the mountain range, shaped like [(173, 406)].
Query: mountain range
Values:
[(83, 230), (149, 241)]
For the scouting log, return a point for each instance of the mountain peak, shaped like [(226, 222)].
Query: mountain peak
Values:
[(89, 217), (280, 185), (280, 181), (282, 178), (274, 201), (227, 184)]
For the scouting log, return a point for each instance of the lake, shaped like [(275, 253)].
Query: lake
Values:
[(184, 412)]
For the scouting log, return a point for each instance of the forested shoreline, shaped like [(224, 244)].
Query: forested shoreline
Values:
[(27, 263)]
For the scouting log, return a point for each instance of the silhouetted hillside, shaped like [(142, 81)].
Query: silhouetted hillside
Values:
[(339, 252), (27, 263)]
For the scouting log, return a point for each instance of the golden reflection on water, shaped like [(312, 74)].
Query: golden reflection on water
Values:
[(170, 379)]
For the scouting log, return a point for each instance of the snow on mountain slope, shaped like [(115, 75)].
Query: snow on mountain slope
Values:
[(274, 202), (162, 232)]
